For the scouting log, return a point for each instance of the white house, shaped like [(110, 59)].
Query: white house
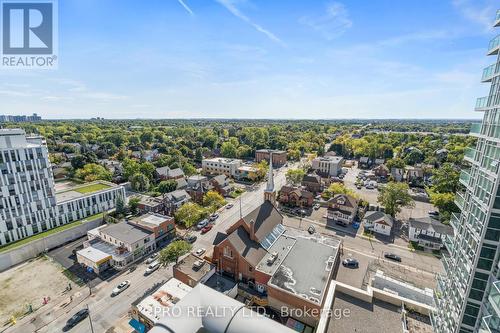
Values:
[(378, 222), (428, 232)]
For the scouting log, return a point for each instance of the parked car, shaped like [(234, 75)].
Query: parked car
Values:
[(311, 230), (392, 256), (214, 217), (75, 319), (316, 206), (151, 268), (202, 224), (206, 228), (434, 213), (152, 258), (350, 263), (121, 287), (200, 251), (229, 206), (190, 239), (358, 186)]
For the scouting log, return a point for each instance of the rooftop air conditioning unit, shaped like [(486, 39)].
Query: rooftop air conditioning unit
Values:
[(272, 258)]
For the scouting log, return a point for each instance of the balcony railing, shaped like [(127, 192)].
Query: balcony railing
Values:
[(493, 45), (470, 153), (454, 221), (448, 243), (464, 177), (489, 72), (490, 324), (475, 128), (482, 102), (460, 200), (494, 297)]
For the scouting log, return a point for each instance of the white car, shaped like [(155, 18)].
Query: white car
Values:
[(121, 287), (229, 206), (152, 258), (199, 252), (151, 268)]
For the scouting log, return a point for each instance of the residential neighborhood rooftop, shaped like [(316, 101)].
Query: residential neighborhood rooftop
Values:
[(150, 219), (194, 267)]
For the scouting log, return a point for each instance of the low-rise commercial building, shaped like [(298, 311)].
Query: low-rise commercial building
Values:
[(162, 226), (221, 166), (329, 166), (192, 270)]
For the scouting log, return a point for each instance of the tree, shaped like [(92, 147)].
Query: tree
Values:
[(130, 168), (395, 163), (338, 188), (445, 202), (213, 200), (295, 176), (262, 169), (92, 172), (133, 205), (189, 214), (445, 179), (393, 196), (167, 186), (173, 251), (228, 149), (139, 182), (120, 205), (78, 162)]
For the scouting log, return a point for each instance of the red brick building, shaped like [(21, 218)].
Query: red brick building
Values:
[(295, 197), (279, 156)]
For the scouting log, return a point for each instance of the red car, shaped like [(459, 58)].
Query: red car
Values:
[(206, 229)]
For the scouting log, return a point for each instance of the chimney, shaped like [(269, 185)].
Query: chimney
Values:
[(252, 229)]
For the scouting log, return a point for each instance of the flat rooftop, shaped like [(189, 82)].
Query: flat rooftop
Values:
[(354, 315), (220, 283), (147, 200), (70, 191), (187, 266), (278, 251), (302, 276), (165, 297), (151, 219), (126, 233), (94, 254)]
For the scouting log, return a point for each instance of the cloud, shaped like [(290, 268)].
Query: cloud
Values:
[(229, 4), (334, 23), (482, 14), (186, 7)]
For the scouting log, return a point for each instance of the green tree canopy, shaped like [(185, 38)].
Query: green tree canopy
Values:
[(189, 214), (173, 251), (393, 196), (91, 172)]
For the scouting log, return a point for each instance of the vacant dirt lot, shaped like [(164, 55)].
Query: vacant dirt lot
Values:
[(28, 284)]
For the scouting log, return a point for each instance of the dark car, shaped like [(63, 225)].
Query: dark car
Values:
[(311, 230), (190, 239), (77, 317), (392, 256), (350, 263)]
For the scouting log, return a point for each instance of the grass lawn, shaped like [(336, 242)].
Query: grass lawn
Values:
[(46, 233), (91, 188)]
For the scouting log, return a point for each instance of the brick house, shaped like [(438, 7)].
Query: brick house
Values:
[(243, 247), (381, 170), (295, 197), (312, 183), (342, 209)]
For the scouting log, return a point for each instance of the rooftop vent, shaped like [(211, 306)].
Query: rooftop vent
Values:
[(272, 258), (198, 264)]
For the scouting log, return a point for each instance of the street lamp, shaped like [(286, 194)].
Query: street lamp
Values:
[(90, 320)]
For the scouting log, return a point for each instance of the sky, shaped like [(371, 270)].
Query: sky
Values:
[(292, 59)]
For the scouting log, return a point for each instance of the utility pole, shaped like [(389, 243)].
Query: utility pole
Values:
[(90, 319)]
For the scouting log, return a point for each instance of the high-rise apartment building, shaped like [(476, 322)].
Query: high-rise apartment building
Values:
[(467, 295), (29, 202)]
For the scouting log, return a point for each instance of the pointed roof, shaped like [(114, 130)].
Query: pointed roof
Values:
[(270, 178)]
